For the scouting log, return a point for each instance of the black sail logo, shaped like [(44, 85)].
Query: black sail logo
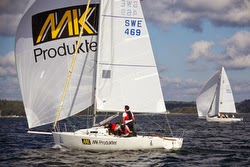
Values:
[(64, 23)]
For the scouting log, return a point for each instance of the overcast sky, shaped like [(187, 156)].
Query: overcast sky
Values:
[(191, 39)]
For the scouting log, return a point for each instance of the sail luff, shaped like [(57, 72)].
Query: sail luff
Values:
[(217, 99), (220, 91), (97, 61)]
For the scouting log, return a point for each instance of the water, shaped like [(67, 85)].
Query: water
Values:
[(205, 145)]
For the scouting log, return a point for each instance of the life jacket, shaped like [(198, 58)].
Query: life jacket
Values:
[(113, 126), (128, 116)]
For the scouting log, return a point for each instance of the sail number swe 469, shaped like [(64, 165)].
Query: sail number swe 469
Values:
[(133, 27)]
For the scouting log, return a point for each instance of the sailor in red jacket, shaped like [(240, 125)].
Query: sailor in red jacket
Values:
[(113, 128)]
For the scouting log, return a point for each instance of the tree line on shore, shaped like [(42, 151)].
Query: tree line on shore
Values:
[(10, 107)]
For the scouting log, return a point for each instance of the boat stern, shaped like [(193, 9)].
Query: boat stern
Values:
[(172, 143)]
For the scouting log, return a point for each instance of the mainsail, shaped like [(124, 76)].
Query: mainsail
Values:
[(126, 66), (226, 102), (45, 43)]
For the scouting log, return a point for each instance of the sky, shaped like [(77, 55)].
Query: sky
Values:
[(191, 40)]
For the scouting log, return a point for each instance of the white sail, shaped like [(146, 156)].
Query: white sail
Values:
[(215, 103), (216, 96), (45, 41), (226, 102), (207, 96), (126, 72)]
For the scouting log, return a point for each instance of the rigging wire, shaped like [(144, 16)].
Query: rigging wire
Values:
[(160, 126), (166, 119), (86, 117)]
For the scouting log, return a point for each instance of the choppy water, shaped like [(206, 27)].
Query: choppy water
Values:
[(205, 145)]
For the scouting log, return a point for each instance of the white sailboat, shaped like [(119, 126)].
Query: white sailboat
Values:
[(113, 66), (215, 101)]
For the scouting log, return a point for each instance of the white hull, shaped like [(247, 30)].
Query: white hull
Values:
[(216, 119), (98, 139)]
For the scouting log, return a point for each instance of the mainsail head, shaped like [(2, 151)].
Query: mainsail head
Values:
[(45, 43)]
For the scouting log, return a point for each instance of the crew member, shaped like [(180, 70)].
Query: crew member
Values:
[(128, 118)]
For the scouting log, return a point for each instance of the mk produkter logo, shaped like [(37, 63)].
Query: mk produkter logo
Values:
[(64, 23)]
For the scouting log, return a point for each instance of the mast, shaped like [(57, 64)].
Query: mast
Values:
[(97, 61), (71, 68), (220, 90)]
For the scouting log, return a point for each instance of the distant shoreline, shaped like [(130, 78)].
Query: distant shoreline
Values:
[(15, 108)]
